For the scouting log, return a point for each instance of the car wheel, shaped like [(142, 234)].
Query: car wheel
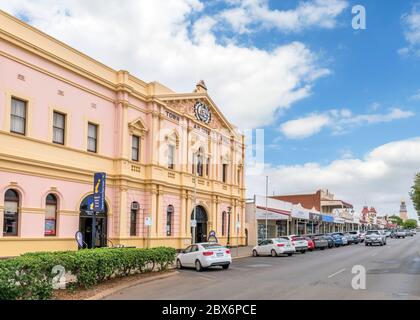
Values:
[(273, 253), (381, 244), (178, 264), (226, 266), (366, 244), (254, 253), (290, 254), (303, 251), (198, 266), (322, 248)]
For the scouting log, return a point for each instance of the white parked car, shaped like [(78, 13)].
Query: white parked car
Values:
[(204, 255), (300, 244), (274, 247)]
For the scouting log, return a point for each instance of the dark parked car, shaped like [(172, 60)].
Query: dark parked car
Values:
[(331, 242), (352, 238), (319, 242)]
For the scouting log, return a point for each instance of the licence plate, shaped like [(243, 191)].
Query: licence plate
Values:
[(219, 254)]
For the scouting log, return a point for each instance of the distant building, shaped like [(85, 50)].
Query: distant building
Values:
[(403, 211), (369, 218), (324, 202)]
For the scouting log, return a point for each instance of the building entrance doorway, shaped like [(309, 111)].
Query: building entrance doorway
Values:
[(201, 229), (86, 221)]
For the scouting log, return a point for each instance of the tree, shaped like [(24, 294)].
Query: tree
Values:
[(396, 220), (410, 224), (415, 193)]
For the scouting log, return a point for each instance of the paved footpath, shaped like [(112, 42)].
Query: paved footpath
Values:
[(393, 272)]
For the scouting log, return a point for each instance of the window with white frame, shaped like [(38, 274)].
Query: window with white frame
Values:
[(59, 127), (18, 116), (92, 137)]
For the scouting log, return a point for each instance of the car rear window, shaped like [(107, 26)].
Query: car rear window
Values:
[(212, 246), (282, 240), (373, 232), (298, 238)]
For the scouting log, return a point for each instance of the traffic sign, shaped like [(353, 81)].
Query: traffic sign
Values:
[(148, 221), (193, 223)]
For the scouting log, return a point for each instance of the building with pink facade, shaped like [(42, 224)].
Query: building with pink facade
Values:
[(65, 116)]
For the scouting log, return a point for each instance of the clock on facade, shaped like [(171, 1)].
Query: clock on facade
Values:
[(202, 112)]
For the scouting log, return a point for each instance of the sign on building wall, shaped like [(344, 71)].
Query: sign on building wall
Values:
[(99, 192)]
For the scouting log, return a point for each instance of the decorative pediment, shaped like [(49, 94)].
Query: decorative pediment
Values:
[(201, 109), (137, 127)]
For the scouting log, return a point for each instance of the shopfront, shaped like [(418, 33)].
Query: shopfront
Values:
[(300, 219), (315, 223), (275, 221), (328, 223), (339, 224)]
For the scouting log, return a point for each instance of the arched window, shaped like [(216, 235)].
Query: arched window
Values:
[(169, 218), (224, 223), (11, 213), (133, 218), (51, 215)]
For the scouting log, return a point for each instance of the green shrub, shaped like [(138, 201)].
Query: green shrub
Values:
[(30, 275)]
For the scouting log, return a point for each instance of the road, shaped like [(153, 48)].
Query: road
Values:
[(393, 273)]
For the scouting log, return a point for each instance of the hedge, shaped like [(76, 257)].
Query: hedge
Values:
[(30, 277)]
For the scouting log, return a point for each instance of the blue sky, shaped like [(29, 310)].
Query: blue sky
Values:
[(367, 70), (340, 107)]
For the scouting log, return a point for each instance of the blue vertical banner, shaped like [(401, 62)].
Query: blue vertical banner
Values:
[(99, 192)]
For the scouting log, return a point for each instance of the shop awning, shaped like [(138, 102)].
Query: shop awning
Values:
[(326, 218), (271, 214), (298, 212), (339, 220)]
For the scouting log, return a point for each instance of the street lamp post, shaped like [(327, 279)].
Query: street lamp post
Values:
[(228, 237), (195, 206)]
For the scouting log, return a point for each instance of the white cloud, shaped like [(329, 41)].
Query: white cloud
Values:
[(416, 96), (172, 41), (380, 179), (411, 22), (339, 121), (309, 14), (304, 127)]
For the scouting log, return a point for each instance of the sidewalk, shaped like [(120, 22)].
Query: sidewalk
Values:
[(241, 252)]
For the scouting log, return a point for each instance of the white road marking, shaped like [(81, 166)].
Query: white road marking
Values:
[(374, 254), (337, 273), (207, 278)]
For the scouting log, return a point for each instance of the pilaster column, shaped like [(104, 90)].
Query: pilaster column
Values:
[(159, 212), (183, 215), (155, 137), (189, 200), (153, 211), (122, 231)]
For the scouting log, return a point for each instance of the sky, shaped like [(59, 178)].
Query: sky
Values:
[(340, 107)]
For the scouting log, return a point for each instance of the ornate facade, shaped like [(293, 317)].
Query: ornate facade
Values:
[(65, 116)]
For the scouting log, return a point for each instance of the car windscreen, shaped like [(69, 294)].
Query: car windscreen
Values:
[(373, 232)]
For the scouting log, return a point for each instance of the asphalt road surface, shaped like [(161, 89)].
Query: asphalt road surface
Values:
[(393, 272)]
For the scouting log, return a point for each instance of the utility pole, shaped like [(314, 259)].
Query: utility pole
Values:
[(266, 207)]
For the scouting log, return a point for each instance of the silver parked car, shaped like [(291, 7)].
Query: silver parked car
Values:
[(375, 237)]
